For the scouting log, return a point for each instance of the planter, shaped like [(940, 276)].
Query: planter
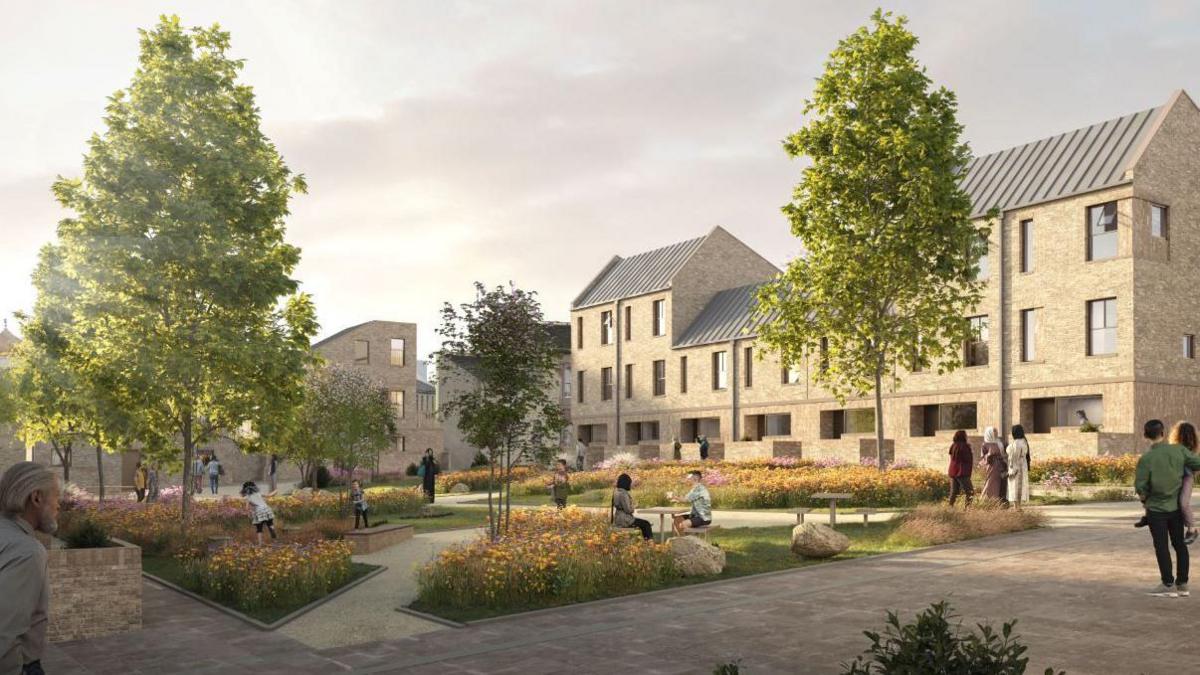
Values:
[(94, 591)]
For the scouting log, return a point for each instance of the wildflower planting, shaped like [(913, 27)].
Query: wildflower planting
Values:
[(1108, 469), (545, 558), (252, 578), (942, 524), (477, 479)]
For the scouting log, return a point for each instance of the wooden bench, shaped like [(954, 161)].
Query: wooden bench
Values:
[(372, 539), (702, 530), (800, 514), (867, 513)]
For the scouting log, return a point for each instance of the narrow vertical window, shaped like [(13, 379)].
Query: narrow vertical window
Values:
[(660, 318), (1102, 327), (1102, 231), (683, 374), (1158, 221), (1027, 245), (720, 370), (1189, 346), (362, 352), (606, 384), (1028, 335), (606, 328), (579, 333), (397, 400), (579, 386), (628, 380), (397, 355), (748, 366), (628, 323), (660, 378), (976, 348)]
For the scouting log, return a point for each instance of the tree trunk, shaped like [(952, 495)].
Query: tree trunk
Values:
[(188, 450), (492, 524), (879, 413), (100, 469), (507, 484)]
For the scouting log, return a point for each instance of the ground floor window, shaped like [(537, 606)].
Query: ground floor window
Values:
[(927, 420), (1040, 415), (835, 423), (593, 433), (638, 432)]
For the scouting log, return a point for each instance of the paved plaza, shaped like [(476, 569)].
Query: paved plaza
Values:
[(1075, 589)]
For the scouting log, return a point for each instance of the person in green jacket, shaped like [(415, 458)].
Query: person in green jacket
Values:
[(1158, 480)]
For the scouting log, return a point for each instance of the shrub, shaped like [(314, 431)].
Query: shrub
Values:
[(324, 478), (1059, 480), (1106, 469), (729, 668), (250, 577), (86, 533), (547, 557), (930, 644), (480, 460), (942, 524), (411, 470)]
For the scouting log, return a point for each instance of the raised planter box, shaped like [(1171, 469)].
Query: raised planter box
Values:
[(94, 591), (372, 539)]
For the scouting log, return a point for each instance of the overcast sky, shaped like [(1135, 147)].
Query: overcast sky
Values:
[(448, 142)]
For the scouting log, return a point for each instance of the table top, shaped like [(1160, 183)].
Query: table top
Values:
[(663, 509), (831, 495)]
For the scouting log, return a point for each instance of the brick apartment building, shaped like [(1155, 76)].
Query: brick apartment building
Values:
[(1089, 306)]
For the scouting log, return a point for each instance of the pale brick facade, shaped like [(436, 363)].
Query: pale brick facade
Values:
[(1136, 161)]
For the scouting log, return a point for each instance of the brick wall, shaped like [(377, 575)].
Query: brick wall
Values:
[(94, 592)]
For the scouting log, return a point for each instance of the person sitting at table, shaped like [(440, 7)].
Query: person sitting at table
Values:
[(701, 501), (623, 507)]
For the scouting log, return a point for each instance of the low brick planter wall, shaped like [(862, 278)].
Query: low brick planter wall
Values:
[(94, 591), (372, 539)]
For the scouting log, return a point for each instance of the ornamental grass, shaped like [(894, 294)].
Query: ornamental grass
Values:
[(250, 577), (546, 558), (934, 524), (1118, 469)]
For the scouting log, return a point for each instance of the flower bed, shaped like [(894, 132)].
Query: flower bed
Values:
[(547, 557), (252, 578), (477, 479), (1108, 469)]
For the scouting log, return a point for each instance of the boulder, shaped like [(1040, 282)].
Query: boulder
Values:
[(459, 488), (813, 540), (695, 557), (303, 493)]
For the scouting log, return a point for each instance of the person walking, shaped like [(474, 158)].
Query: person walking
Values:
[(428, 472), (962, 458), (152, 483), (703, 448), (676, 449), (560, 484), (1158, 481), (198, 473), (1017, 454), (623, 507), (993, 462), (580, 454), (29, 494), (272, 471), (140, 481), (214, 470)]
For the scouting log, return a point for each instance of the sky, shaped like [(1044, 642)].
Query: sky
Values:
[(528, 142)]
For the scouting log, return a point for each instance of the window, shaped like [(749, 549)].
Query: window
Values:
[(1158, 221), (1102, 327), (401, 444), (791, 375), (824, 349), (859, 421), (1026, 245), (1029, 335), (1102, 231), (397, 400), (748, 365), (579, 386), (984, 267), (660, 378), (660, 317), (579, 333), (397, 355), (566, 383), (606, 328), (628, 323), (927, 420), (628, 380), (683, 374), (362, 352), (975, 352), (606, 384), (720, 370), (1189, 346)]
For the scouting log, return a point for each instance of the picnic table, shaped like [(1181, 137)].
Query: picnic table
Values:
[(663, 512), (833, 498)]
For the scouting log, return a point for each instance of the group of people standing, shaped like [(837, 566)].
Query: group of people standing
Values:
[(1006, 468)]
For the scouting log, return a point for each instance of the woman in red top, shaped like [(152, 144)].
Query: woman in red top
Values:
[(961, 459)]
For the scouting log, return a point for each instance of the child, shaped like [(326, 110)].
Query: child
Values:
[(260, 513), (359, 499), (560, 484)]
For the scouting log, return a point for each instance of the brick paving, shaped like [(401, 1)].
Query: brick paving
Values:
[(1076, 591)]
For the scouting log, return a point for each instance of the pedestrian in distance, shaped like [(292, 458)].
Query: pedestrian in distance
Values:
[(994, 463), (962, 458), (1158, 481), (1017, 454), (198, 473), (676, 449), (703, 448), (152, 483), (580, 454), (428, 472), (29, 497), (359, 499), (141, 479), (214, 471), (272, 471), (260, 512), (560, 484)]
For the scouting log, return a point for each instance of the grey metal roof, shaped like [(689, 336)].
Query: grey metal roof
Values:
[(425, 388), (1083, 160), (642, 273), (729, 315)]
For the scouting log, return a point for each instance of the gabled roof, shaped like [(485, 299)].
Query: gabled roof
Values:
[(351, 328), (7, 340), (425, 388), (728, 316), (638, 274), (1075, 162)]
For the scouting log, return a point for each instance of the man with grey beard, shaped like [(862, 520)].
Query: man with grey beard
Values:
[(29, 494)]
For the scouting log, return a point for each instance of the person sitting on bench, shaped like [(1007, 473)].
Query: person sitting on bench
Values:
[(623, 507), (701, 501)]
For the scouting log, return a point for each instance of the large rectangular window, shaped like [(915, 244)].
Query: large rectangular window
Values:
[(859, 421), (579, 333), (1027, 245), (660, 317), (1102, 327), (660, 378), (606, 328), (927, 420), (748, 366), (397, 400), (1102, 231), (720, 370), (628, 380), (975, 352), (1158, 221), (606, 384), (579, 386), (1029, 319), (397, 355), (683, 374), (628, 323), (362, 352)]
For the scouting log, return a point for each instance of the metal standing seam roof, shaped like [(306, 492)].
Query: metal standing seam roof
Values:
[(1083, 160), (728, 316), (639, 274)]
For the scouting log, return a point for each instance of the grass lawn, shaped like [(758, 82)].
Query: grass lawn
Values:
[(457, 517), (169, 569)]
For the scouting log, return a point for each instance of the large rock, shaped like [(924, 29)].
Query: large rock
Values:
[(695, 557), (813, 540), (459, 488)]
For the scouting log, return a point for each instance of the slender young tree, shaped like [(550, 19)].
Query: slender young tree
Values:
[(186, 300), (510, 408), (891, 254)]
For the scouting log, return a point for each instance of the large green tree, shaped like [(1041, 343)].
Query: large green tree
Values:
[(891, 255), (186, 309), (501, 347)]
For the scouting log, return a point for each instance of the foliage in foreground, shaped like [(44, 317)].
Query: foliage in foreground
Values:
[(546, 557), (85, 533), (931, 645), (251, 577), (934, 524)]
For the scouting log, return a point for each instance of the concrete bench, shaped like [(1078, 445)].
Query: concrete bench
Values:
[(867, 513), (372, 539), (703, 530), (800, 512)]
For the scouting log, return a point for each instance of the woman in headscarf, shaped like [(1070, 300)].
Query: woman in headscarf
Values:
[(993, 461), (962, 458), (623, 507), (1018, 466)]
